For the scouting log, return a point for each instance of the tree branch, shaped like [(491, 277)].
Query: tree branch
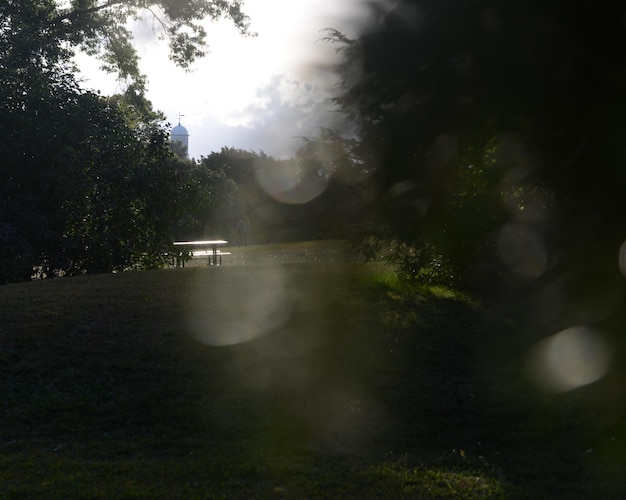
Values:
[(73, 14)]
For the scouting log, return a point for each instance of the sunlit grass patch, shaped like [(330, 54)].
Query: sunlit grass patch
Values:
[(406, 481)]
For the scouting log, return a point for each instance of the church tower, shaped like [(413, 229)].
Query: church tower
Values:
[(180, 135)]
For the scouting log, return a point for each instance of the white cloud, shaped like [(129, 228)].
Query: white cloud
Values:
[(255, 93), (284, 111)]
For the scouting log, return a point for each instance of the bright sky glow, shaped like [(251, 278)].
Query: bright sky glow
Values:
[(256, 93)]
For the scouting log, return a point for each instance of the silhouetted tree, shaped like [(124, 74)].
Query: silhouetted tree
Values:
[(83, 189), (496, 133)]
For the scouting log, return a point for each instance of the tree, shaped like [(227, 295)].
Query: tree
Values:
[(119, 214), (81, 188), (285, 200), (206, 200), (483, 120), (53, 28), (333, 180)]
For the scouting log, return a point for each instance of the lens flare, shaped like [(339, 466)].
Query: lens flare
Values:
[(573, 358), (289, 183), (521, 249), (227, 312)]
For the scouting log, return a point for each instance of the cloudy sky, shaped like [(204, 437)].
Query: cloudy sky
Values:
[(258, 93)]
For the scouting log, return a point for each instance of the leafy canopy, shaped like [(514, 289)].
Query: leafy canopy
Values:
[(50, 30)]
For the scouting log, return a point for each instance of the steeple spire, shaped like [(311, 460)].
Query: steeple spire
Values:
[(181, 135)]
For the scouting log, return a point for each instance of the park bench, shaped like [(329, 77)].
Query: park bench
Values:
[(208, 248), (209, 254)]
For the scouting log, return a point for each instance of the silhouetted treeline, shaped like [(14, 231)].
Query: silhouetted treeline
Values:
[(275, 195)]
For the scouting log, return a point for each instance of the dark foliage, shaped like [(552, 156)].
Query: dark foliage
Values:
[(302, 198), (84, 180), (496, 133)]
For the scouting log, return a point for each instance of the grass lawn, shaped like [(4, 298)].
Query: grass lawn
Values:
[(288, 372)]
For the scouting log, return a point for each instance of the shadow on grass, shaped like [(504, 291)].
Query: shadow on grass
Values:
[(305, 380)]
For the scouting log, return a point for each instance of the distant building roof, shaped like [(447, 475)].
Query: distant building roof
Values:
[(179, 130)]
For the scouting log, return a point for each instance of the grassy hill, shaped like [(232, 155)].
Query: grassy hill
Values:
[(290, 371)]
